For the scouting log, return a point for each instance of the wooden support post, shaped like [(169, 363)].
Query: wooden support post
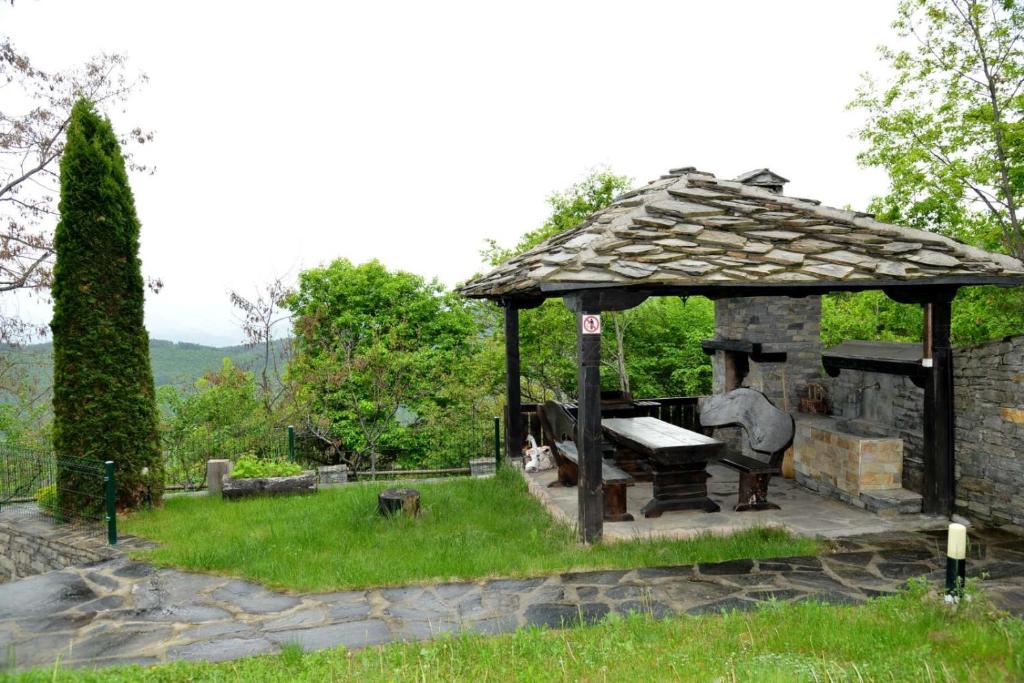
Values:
[(939, 434), (513, 397), (588, 427)]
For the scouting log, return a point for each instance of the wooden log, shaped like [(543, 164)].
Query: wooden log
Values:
[(390, 501), (234, 489)]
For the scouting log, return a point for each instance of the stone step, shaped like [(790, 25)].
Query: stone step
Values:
[(889, 502)]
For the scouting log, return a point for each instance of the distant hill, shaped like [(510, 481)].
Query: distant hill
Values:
[(177, 363)]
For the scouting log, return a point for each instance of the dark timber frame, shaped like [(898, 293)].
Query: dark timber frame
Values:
[(939, 426), (739, 239), (513, 390)]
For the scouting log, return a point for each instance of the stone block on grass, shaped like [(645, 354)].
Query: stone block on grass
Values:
[(333, 475), (482, 467)]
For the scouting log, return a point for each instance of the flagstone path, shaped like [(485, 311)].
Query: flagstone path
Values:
[(122, 611)]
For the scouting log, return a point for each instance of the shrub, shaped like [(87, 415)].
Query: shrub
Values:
[(104, 407), (250, 467), (46, 498)]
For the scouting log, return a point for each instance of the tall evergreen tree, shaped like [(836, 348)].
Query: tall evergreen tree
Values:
[(103, 399)]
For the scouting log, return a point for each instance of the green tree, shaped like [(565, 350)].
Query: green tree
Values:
[(569, 208), (103, 400), (547, 336), (222, 417), (375, 350), (947, 127), (663, 338), (653, 349)]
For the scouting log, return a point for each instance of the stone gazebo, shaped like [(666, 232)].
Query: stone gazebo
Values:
[(689, 233)]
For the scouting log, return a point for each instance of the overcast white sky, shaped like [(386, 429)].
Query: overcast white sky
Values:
[(293, 133)]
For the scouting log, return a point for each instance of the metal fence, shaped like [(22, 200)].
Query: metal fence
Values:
[(185, 454), (37, 485)]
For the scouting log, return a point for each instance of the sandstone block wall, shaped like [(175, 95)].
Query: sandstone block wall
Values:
[(895, 405)]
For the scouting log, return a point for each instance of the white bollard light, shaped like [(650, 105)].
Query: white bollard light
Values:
[(956, 562)]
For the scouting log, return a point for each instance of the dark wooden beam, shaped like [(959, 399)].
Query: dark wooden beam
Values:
[(513, 396), (522, 303), (939, 425), (588, 430), (890, 358), (604, 299), (907, 291), (750, 348)]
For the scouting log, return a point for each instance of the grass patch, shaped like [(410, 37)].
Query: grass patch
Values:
[(907, 637), (468, 528)]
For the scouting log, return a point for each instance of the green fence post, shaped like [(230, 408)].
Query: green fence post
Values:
[(497, 442), (108, 479), (291, 443)]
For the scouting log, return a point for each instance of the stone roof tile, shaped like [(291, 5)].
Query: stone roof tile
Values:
[(692, 230)]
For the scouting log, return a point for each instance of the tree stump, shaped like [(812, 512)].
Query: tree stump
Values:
[(391, 501)]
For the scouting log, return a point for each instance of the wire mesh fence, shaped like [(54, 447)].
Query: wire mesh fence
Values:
[(186, 454), (38, 486)]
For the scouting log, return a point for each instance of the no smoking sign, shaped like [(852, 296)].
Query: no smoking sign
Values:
[(591, 324)]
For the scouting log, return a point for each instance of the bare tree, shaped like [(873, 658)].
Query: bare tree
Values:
[(35, 113), (262, 316)]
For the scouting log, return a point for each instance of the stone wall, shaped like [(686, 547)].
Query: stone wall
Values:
[(780, 325), (989, 381), (30, 545)]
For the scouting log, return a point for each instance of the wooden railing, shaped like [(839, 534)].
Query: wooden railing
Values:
[(682, 411)]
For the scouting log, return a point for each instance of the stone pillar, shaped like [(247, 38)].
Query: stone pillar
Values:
[(482, 467), (216, 470), (333, 475)]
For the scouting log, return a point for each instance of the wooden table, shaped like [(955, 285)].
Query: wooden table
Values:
[(678, 459)]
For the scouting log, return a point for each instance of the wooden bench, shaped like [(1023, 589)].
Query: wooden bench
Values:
[(769, 431), (613, 480), (558, 429)]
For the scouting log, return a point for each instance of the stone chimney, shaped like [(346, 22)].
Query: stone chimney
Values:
[(763, 178)]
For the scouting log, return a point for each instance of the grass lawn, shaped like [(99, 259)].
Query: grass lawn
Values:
[(907, 637), (468, 528)]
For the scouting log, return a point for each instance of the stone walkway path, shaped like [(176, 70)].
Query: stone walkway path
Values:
[(122, 611)]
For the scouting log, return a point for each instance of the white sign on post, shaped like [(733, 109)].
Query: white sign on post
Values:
[(591, 324)]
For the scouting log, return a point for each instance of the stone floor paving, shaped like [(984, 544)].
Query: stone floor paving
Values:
[(801, 512), (123, 611)]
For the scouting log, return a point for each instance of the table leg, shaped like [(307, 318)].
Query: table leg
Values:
[(681, 486)]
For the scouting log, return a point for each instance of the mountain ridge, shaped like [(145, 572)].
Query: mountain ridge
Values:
[(174, 363)]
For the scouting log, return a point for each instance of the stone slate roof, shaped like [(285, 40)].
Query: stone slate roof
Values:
[(691, 231)]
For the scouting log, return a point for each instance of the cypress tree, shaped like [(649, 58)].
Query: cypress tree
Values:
[(104, 404)]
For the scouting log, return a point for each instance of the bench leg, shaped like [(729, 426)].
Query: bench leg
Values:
[(754, 493), (568, 474), (615, 502)]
